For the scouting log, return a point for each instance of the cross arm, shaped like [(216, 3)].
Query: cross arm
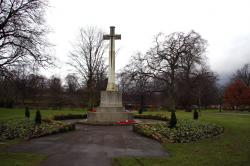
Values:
[(117, 37), (108, 37)]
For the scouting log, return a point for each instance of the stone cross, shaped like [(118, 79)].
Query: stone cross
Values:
[(111, 74)]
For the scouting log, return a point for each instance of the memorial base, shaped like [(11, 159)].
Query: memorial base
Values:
[(110, 109), (108, 117)]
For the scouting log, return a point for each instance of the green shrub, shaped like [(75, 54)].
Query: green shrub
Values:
[(173, 120), (38, 118), (196, 114), (27, 112), (140, 111)]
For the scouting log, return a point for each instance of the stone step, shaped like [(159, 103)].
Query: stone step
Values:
[(100, 117)]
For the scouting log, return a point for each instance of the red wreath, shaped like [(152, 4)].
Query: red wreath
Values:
[(126, 122)]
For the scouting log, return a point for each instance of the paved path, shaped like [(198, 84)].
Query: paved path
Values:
[(91, 146)]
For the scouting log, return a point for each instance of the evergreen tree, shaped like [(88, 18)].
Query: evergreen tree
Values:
[(195, 115), (140, 110), (173, 120), (27, 112), (38, 119)]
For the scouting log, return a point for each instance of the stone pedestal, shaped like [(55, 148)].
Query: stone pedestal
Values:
[(110, 109)]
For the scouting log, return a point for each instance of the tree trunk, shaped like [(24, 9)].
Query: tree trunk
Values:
[(172, 91), (142, 101)]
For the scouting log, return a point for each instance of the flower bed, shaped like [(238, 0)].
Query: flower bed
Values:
[(150, 116), (27, 129), (185, 131)]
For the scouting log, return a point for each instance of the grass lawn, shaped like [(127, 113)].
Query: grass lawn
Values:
[(26, 159), (229, 149), (18, 113), (20, 159)]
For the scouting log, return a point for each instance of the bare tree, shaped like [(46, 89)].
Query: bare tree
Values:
[(87, 59), (72, 83), (24, 87), (220, 96), (35, 88), (22, 34), (205, 87), (192, 58), (243, 74), (168, 55), (8, 92), (134, 80), (19, 79), (56, 92)]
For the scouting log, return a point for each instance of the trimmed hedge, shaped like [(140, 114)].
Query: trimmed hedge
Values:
[(150, 116), (70, 116), (27, 129), (185, 131)]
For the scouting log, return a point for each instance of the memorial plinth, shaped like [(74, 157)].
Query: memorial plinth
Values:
[(110, 109)]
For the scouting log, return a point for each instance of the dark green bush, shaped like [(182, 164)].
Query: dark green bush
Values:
[(70, 116), (38, 118), (173, 120), (27, 112), (140, 111), (196, 115)]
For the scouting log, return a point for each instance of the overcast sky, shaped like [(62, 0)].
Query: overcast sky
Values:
[(224, 24)]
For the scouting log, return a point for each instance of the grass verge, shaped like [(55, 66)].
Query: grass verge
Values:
[(229, 149), (20, 159)]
